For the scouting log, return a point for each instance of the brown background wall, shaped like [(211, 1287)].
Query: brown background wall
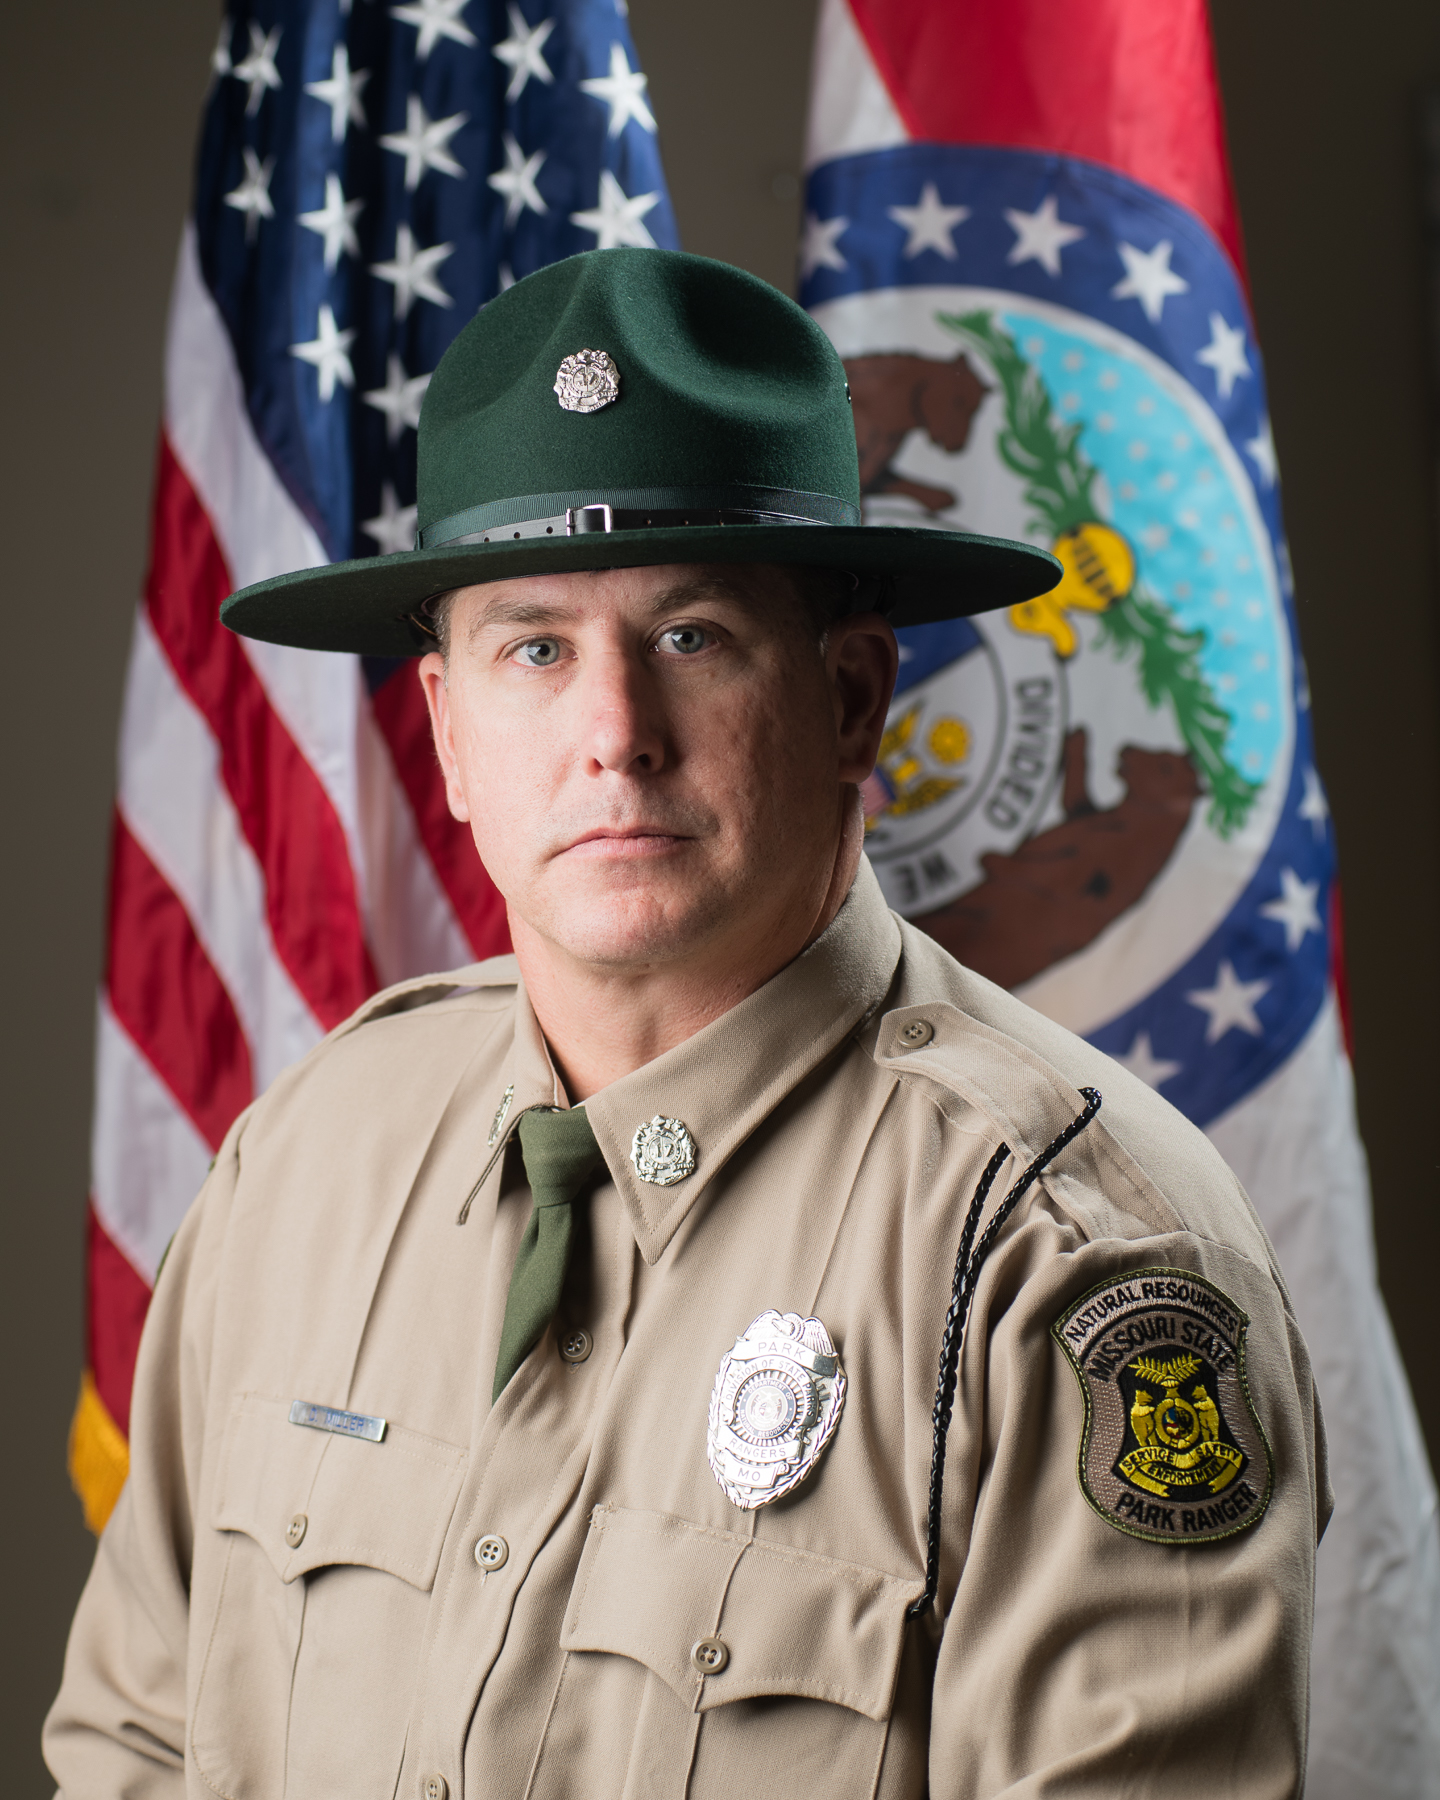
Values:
[(95, 148)]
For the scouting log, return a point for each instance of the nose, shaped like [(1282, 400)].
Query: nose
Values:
[(622, 716)]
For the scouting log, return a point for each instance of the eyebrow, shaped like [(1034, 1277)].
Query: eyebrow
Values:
[(538, 613)]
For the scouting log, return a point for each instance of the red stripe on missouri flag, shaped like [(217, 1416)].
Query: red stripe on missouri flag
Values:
[(1133, 87)]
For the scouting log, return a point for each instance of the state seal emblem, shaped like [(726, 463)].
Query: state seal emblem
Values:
[(663, 1151), (1172, 1449), (587, 381), (1103, 798), (777, 1399)]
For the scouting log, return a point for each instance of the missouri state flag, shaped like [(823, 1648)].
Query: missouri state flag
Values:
[(1020, 234)]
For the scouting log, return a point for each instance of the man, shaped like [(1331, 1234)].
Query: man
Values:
[(561, 1386)]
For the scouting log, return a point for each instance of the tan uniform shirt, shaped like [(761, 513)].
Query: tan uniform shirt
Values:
[(277, 1610)]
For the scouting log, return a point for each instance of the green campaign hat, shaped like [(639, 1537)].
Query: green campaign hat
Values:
[(629, 407)]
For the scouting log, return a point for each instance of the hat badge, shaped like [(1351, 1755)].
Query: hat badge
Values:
[(587, 381), (777, 1400)]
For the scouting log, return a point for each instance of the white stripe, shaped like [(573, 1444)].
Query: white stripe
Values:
[(260, 528), (411, 924), (147, 1159), (850, 106), (1375, 1676), (319, 697), (261, 531), (175, 802)]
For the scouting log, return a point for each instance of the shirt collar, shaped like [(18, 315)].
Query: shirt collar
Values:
[(722, 1082)]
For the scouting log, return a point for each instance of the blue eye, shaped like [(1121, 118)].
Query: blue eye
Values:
[(539, 653), (683, 640)]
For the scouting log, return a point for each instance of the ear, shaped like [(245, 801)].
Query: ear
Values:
[(442, 728), (862, 660)]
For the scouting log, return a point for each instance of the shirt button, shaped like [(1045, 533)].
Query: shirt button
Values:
[(710, 1655), (492, 1553), (576, 1345), (436, 1787), (916, 1034), (295, 1531)]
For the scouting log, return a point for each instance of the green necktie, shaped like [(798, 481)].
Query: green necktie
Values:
[(560, 1151)]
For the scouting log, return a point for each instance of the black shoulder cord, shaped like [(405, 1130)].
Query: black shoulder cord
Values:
[(967, 1273)]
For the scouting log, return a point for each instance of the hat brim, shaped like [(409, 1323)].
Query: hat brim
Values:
[(361, 606)]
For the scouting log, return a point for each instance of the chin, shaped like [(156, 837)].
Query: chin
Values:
[(633, 928)]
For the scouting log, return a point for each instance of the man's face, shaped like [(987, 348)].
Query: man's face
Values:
[(656, 763)]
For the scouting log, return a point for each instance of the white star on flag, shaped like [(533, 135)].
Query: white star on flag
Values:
[(220, 56), (258, 69), (328, 351), (1143, 1061), (423, 142), (434, 19), (335, 222), (623, 91), (1262, 452), (1149, 278), (1230, 1004), (615, 219), (1225, 354), (412, 272), (523, 52), (930, 223), (516, 181), (341, 93), (399, 399), (819, 250), (1313, 805), (1040, 236), (252, 197), (1294, 908), (393, 528)]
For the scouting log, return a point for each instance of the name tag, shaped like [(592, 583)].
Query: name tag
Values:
[(331, 1418)]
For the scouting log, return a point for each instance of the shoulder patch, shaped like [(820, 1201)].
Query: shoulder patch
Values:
[(1172, 1450)]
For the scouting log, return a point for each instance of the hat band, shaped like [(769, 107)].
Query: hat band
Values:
[(633, 509)]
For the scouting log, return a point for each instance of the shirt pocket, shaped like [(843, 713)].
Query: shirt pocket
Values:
[(811, 1647), (332, 1548)]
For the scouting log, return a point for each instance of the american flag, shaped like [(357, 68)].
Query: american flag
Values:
[(369, 174)]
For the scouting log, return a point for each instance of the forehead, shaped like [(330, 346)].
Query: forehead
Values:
[(762, 589)]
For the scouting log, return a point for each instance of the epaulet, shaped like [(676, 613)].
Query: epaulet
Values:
[(969, 1067), (428, 990)]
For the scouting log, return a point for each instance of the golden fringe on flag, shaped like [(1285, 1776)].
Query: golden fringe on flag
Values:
[(98, 1457)]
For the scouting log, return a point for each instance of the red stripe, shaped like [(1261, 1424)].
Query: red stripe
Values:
[(400, 712), (284, 810), (1127, 83), (164, 990), (1339, 974), (116, 1302)]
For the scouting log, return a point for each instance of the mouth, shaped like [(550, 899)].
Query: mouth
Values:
[(625, 843)]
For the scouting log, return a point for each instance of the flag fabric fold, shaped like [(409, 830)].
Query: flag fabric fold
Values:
[(1021, 235), (368, 175)]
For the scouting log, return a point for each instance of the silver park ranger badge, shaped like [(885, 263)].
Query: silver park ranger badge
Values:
[(1172, 1450), (587, 381), (663, 1151), (776, 1403)]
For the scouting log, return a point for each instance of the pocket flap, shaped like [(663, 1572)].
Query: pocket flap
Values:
[(650, 1586), (385, 1506)]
